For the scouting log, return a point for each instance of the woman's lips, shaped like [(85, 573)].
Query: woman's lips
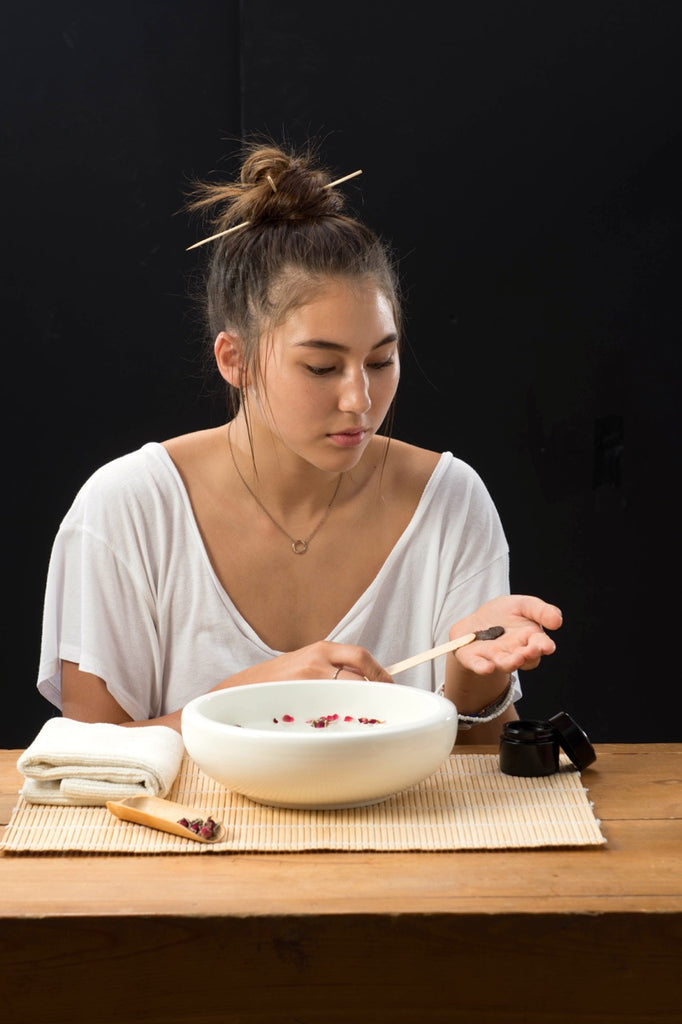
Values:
[(348, 438)]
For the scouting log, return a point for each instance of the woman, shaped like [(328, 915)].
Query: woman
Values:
[(297, 540)]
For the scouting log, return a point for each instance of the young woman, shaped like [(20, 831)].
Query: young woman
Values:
[(298, 539)]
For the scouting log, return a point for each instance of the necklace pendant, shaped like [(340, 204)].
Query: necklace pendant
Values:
[(299, 547)]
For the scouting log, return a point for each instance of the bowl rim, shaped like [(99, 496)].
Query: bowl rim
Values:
[(444, 711)]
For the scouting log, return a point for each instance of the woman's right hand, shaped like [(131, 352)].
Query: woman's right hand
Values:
[(321, 660)]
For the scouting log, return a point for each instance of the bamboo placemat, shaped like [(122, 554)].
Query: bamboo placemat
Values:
[(468, 804)]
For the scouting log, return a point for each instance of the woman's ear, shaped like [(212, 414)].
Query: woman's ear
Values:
[(228, 357)]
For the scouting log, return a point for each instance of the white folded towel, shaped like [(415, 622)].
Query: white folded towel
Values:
[(88, 763)]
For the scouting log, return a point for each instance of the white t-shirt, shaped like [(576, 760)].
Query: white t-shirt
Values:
[(131, 595)]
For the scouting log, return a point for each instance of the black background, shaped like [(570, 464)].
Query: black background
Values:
[(525, 160)]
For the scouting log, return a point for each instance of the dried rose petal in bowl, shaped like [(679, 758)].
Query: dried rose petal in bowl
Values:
[(325, 720)]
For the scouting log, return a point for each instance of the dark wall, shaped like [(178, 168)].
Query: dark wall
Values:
[(525, 159)]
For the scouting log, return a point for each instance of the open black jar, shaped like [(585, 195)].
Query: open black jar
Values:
[(531, 747)]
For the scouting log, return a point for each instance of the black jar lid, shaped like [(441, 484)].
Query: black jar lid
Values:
[(573, 740)]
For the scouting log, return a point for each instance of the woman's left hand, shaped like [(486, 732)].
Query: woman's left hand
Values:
[(522, 645)]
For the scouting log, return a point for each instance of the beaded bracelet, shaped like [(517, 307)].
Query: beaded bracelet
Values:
[(489, 713)]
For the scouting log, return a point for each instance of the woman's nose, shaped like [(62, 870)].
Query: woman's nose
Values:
[(355, 395)]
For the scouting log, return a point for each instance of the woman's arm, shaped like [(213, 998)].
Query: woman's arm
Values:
[(86, 698), (479, 673)]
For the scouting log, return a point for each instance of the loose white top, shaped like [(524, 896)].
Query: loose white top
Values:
[(132, 597)]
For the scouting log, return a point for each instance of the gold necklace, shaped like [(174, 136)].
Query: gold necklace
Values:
[(300, 546)]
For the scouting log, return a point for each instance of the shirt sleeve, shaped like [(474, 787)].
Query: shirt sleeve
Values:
[(478, 555), (99, 612)]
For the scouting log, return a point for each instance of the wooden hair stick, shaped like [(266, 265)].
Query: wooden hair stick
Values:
[(243, 224)]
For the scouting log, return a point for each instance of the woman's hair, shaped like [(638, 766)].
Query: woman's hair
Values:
[(290, 234)]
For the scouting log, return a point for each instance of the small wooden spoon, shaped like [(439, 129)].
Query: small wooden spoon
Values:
[(164, 815), (452, 645)]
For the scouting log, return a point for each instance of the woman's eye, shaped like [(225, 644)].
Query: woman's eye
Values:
[(323, 371), (320, 371)]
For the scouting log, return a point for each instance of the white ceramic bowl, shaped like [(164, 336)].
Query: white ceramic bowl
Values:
[(241, 738)]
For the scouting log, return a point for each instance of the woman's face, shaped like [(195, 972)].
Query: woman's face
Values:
[(329, 373)]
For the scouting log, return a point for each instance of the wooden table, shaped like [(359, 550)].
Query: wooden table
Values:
[(493, 937)]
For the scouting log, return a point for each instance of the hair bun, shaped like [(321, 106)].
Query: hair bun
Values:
[(274, 185)]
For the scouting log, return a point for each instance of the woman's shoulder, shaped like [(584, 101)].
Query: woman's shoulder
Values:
[(125, 472), (419, 467), (198, 451), (408, 462), (153, 462), (455, 504), (126, 487), (436, 481)]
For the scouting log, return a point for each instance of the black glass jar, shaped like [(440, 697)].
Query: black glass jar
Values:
[(529, 748)]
